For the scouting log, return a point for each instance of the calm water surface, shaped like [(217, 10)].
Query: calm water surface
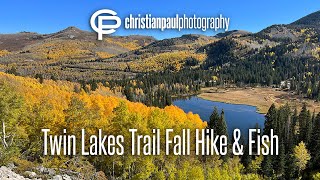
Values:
[(242, 117)]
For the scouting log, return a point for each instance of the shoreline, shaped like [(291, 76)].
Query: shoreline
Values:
[(261, 98), (227, 102)]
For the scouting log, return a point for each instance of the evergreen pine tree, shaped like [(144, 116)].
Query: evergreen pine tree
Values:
[(270, 121), (222, 125), (222, 130), (315, 144), (280, 160), (267, 168), (246, 158), (286, 122), (310, 126), (214, 119), (304, 119), (294, 130), (290, 167)]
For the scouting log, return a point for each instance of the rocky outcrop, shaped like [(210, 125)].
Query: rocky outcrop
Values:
[(7, 174)]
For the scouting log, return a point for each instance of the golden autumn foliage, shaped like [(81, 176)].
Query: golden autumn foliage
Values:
[(4, 53), (131, 45), (58, 49), (104, 55), (59, 94), (58, 105), (159, 62), (316, 52), (301, 155)]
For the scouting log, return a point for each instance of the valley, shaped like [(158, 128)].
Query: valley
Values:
[(262, 98), (68, 81), (152, 71)]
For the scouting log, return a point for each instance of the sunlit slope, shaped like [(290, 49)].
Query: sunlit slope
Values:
[(68, 44), (48, 103)]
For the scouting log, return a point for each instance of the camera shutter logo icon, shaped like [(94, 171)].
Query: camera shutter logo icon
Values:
[(102, 16)]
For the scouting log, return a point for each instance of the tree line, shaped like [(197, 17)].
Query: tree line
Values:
[(299, 143)]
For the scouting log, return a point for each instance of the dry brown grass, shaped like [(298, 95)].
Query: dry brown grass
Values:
[(262, 98)]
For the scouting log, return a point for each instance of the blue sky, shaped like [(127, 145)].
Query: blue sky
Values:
[(51, 16)]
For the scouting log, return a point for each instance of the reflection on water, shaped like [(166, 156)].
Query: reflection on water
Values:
[(242, 117)]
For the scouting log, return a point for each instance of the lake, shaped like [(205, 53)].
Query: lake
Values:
[(242, 117)]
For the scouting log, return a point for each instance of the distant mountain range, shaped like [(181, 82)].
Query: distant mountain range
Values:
[(76, 54), (312, 20), (28, 44)]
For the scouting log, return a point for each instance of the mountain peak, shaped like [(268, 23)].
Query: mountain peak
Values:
[(71, 29), (71, 32), (232, 33), (312, 19)]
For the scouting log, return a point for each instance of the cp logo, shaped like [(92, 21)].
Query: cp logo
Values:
[(104, 29)]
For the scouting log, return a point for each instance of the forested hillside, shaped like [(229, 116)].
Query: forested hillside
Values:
[(152, 72), (27, 106), (55, 55), (68, 80), (281, 56)]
